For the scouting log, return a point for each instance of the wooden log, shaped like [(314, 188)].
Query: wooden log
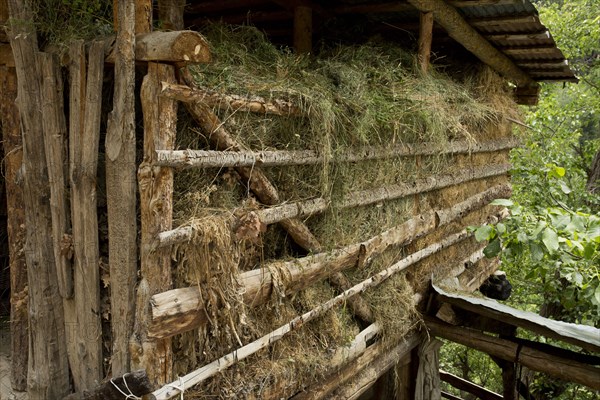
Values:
[(48, 370), (121, 190), (425, 37), (55, 135), (272, 158), (13, 160), (177, 310), (469, 387), (303, 29), (377, 359), (306, 208), (134, 384), (243, 352), (156, 207), (85, 228), (170, 14), (223, 101), (449, 396), (462, 32), (537, 360)]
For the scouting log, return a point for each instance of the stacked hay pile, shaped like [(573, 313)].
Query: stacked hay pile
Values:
[(368, 95)]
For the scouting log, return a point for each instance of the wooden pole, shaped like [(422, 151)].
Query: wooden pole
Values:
[(170, 14), (156, 207), (469, 387), (121, 191), (462, 32), (425, 38), (537, 360), (48, 371), (176, 311), (13, 159), (303, 29), (85, 228), (142, 15)]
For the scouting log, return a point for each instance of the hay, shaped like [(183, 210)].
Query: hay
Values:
[(350, 96)]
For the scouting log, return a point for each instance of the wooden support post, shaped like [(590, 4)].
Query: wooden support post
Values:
[(425, 38), (427, 385), (156, 205), (48, 374), (85, 227), (121, 189), (143, 15), (170, 14), (303, 29), (13, 158)]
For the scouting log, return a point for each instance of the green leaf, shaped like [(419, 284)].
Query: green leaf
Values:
[(537, 252), (589, 250), (493, 248), (483, 233), (560, 171), (501, 228), (565, 189), (502, 202), (550, 240), (597, 294)]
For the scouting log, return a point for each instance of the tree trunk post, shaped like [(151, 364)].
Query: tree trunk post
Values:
[(303, 29), (170, 14), (156, 206), (48, 370), (13, 150), (425, 38), (121, 189)]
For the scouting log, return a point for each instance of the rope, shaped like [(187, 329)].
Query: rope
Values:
[(181, 387), (127, 396)]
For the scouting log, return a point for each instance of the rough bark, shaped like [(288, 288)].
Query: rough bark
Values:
[(425, 37), (13, 159), (593, 181), (559, 367), (156, 207), (48, 371), (121, 192), (170, 14), (219, 159), (85, 228), (176, 311), (462, 32), (142, 16)]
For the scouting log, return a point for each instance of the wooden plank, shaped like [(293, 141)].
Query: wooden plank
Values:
[(390, 7), (466, 35), (303, 29), (502, 22), (85, 228), (544, 35), (13, 160), (156, 208), (425, 38), (121, 188), (568, 370), (449, 396), (48, 370), (469, 387)]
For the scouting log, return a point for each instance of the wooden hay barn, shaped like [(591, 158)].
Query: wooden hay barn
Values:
[(249, 198)]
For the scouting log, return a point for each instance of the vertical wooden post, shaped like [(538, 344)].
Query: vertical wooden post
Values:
[(170, 14), (425, 37), (85, 228), (156, 206), (121, 191), (427, 385), (48, 371), (143, 16), (303, 29), (13, 150)]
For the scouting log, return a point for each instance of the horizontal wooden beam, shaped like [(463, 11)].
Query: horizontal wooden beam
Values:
[(529, 51), (169, 47), (558, 367), (461, 31), (449, 396), (519, 36), (220, 6), (469, 387), (478, 3), (502, 21)]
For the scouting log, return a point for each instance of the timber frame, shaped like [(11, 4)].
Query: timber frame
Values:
[(56, 265)]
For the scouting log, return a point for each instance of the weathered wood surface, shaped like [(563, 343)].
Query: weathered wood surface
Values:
[(13, 159), (156, 207), (462, 32), (373, 361), (537, 360), (170, 14), (223, 101), (469, 387), (48, 370), (121, 188), (6, 56), (55, 135), (177, 310), (306, 208), (273, 158), (303, 28), (134, 383), (85, 227), (243, 352), (425, 38), (143, 16)]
